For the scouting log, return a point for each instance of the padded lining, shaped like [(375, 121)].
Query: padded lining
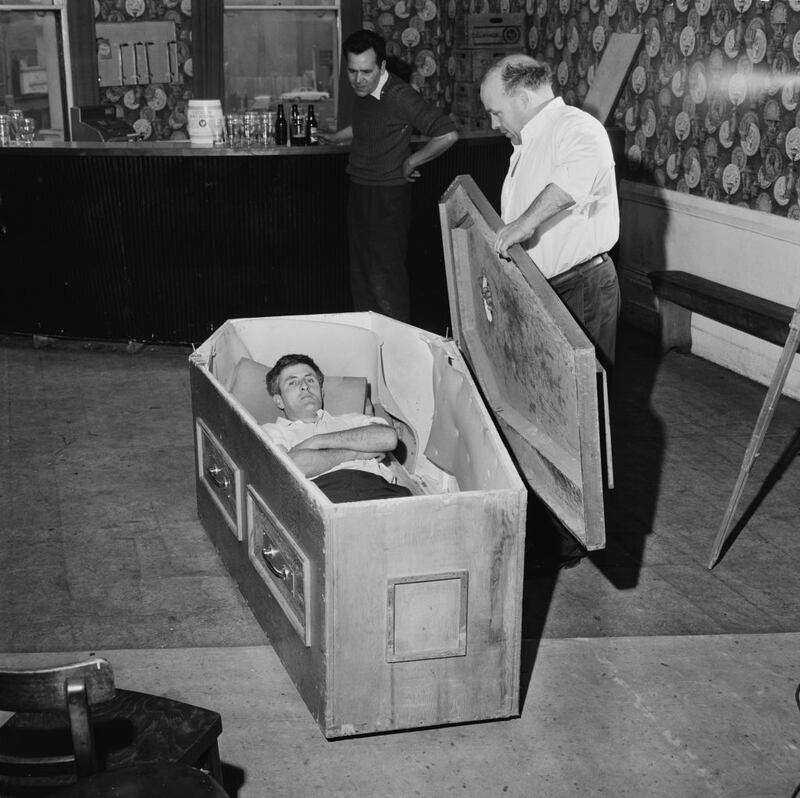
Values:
[(248, 385), (459, 444)]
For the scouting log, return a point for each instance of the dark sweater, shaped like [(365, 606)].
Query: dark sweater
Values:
[(382, 132)]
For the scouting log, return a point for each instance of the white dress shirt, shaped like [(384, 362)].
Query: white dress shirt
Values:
[(287, 434), (568, 147)]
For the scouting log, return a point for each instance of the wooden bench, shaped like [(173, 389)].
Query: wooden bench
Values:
[(680, 294)]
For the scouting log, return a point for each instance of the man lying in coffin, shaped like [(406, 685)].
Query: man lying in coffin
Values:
[(342, 454)]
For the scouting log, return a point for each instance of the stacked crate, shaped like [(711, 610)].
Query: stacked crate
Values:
[(481, 39)]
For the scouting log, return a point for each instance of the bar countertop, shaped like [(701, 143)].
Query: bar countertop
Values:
[(184, 147)]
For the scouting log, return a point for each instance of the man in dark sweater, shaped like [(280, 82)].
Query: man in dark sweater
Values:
[(382, 167)]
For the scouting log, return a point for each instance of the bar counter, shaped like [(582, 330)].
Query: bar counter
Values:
[(163, 241)]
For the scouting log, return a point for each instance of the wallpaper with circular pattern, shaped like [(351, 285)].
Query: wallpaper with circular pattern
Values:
[(711, 108), (417, 32), (156, 111)]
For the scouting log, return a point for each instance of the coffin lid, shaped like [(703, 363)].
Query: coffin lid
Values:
[(535, 366)]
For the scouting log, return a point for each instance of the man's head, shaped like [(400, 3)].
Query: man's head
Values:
[(295, 385), (513, 91), (365, 52)]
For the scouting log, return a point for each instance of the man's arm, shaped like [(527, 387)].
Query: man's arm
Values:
[(433, 148), (343, 136), (319, 453), (551, 201), (313, 462)]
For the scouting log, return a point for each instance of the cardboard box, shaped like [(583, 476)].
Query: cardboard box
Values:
[(495, 31)]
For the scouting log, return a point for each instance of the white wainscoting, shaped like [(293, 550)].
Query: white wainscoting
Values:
[(745, 249)]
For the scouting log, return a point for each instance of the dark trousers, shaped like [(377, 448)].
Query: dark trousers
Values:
[(352, 485), (591, 292), (378, 222)]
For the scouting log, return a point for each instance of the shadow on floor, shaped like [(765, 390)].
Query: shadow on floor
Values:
[(637, 435)]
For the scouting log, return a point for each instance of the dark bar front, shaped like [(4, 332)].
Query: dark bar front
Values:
[(163, 243)]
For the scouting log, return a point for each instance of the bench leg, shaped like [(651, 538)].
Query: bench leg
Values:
[(676, 327)]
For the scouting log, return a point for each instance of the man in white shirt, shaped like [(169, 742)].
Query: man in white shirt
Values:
[(343, 453), (559, 198)]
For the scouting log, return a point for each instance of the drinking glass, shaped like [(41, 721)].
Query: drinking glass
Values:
[(218, 131), (267, 123), (249, 128), (5, 130), (27, 130), (15, 114), (233, 124)]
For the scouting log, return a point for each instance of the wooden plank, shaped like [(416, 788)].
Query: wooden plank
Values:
[(760, 430), (611, 74), (755, 315)]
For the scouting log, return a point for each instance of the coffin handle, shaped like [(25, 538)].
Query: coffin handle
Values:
[(214, 472), (268, 554)]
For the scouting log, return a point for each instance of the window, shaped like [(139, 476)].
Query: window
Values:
[(34, 55), (276, 52)]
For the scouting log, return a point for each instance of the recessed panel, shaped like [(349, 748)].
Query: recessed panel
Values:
[(427, 616)]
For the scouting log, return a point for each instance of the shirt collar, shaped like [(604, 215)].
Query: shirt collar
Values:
[(532, 125), (284, 422), (381, 83)]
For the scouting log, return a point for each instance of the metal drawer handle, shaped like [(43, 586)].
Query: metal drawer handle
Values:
[(268, 554), (214, 472)]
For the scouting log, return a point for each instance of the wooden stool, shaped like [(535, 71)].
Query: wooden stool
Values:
[(146, 781)]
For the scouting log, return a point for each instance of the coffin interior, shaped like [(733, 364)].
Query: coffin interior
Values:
[(412, 375)]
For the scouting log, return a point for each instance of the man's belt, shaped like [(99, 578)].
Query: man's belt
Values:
[(581, 268)]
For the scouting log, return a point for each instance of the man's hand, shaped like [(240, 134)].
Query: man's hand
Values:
[(549, 203), (410, 172), (343, 136), (509, 235), (433, 148)]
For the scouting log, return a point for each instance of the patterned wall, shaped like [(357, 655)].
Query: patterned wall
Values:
[(158, 110), (711, 108), (417, 32)]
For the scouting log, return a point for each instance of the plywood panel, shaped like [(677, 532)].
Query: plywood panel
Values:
[(535, 365)]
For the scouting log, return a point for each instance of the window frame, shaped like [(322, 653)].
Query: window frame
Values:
[(60, 11), (326, 5)]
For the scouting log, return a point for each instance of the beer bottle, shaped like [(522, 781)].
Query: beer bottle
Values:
[(281, 132), (297, 133), (311, 127)]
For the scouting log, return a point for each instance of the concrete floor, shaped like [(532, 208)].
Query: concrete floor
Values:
[(643, 672)]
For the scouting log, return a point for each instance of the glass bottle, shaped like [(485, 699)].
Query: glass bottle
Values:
[(312, 130), (297, 132), (281, 132)]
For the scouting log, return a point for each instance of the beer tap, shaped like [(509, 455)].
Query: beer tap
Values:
[(136, 46), (172, 60), (123, 78), (147, 46), (121, 68)]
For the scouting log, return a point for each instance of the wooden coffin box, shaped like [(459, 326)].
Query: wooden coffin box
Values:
[(390, 614)]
